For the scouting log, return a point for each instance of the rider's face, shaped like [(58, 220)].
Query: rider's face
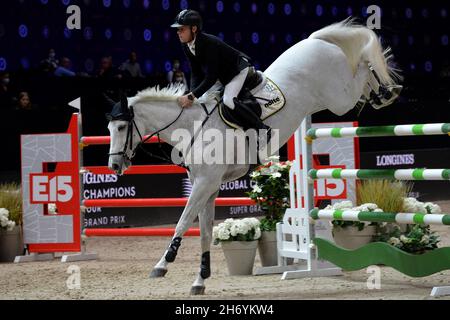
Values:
[(185, 34)]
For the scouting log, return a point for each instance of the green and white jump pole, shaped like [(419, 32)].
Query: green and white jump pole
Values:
[(321, 248), (401, 218), (381, 131), (388, 174)]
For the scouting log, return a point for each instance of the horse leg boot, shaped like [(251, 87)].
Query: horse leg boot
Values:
[(196, 203), (160, 269), (381, 95), (206, 219)]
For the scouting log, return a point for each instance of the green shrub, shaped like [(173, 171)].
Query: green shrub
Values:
[(11, 199)]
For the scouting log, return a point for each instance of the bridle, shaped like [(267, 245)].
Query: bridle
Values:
[(129, 116), (129, 139)]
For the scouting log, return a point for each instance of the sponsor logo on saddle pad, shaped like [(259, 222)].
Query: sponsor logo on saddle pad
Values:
[(270, 98)]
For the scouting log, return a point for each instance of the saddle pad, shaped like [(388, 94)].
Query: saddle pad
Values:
[(269, 97)]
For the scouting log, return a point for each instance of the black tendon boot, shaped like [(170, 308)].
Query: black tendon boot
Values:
[(205, 270), (173, 249)]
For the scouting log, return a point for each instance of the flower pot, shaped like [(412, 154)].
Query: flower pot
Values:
[(351, 238), (240, 256), (267, 248), (11, 244)]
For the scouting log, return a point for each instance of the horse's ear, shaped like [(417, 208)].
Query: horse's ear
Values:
[(123, 101), (108, 100)]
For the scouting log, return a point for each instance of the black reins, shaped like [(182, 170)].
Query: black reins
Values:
[(165, 157)]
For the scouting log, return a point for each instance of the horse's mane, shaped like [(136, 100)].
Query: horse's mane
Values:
[(171, 92)]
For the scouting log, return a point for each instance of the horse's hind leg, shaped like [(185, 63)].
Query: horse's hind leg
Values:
[(206, 219)]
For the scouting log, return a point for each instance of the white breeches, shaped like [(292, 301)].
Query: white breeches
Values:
[(233, 88)]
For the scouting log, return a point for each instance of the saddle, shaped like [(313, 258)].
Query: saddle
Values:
[(259, 96)]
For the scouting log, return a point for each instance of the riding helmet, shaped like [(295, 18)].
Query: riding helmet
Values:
[(188, 17)]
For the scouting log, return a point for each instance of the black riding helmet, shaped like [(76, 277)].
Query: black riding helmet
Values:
[(188, 18)]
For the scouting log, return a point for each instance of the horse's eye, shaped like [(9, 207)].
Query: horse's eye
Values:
[(121, 128)]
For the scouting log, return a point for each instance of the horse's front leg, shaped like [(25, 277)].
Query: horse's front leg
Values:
[(201, 192), (206, 219)]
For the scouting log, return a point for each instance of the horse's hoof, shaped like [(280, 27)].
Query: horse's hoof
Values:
[(158, 273), (197, 290)]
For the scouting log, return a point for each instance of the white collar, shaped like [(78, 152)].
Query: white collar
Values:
[(191, 46)]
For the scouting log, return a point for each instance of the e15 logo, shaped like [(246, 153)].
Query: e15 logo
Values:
[(47, 188)]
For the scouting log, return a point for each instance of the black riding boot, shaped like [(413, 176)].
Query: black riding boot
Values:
[(250, 118)]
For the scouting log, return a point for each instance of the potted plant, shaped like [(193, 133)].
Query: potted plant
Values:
[(353, 234), (374, 196), (271, 192), (11, 239), (239, 240), (415, 239)]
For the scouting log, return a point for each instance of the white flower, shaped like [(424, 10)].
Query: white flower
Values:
[(413, 205), (255, 174), (257, 233), (253, 222), (4, 220), (425, 239), (405, 239), (367, 207), (10, 226), (347, 204), (394, 241), (432, 208), (52, 209), (224, 234), (232, 228), (276, 175), (215, 232), (256, 189), (4, 212), (274, 158)]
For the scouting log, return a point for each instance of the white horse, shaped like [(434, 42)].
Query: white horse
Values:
[(332, 69)]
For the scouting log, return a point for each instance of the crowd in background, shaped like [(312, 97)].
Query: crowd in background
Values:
[(16, 95)]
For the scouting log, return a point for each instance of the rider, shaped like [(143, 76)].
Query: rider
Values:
[(211, 59)]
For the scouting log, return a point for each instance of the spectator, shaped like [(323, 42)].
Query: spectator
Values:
[(63, 70), (107, 70), (50, 63), (445, 70), (131, 67), (24, 102), (178, 77), (175, 68), (6, 100)]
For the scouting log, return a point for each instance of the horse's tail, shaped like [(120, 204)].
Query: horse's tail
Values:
[(360, 43)]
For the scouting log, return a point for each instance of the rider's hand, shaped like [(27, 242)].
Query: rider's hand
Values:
[(186, 100)]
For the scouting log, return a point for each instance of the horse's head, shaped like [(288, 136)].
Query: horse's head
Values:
[(124, 133)]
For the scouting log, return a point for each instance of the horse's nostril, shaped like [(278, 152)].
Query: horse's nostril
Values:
[(115, 166)]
